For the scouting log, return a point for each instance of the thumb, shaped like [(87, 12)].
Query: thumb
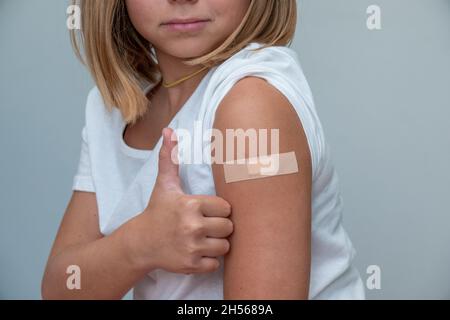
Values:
[(168, 161)]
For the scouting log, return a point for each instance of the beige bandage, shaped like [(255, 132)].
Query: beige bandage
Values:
[(260, 167)]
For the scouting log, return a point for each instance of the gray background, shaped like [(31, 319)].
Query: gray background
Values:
[(383, 97)]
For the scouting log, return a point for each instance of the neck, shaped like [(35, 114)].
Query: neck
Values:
[(173, 69)]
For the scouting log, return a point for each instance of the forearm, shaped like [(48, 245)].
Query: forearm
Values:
[(107, 270)]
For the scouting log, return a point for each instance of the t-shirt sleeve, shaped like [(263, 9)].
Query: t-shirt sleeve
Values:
[(283, 71), (83, 180)]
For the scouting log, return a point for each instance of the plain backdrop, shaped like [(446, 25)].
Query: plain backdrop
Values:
[(383, 97)]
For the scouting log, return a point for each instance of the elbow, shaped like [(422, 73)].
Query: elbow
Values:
[(46, 292), (47, 288)]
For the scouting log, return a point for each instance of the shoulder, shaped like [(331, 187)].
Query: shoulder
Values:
[(94, 96), (256, 105), (96, 112), (267, 88), (260, 52), (278, 65), (101, 124), (254, 102), (255, 55), (94, 101)]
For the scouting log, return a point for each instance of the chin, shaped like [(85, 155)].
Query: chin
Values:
[(188, 48)]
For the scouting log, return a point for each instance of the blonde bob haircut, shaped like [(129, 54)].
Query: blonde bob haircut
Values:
[(122, 62)]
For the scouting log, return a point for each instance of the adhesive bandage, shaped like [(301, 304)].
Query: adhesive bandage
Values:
[(260, 167)]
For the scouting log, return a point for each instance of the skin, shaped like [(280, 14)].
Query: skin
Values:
[(173, 47), (269, 255), (270, 246), (175, 232)]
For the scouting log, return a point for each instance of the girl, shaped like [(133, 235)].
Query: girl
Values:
[(139, 219)]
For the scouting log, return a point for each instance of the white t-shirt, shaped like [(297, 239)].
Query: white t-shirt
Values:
[(123, 177)]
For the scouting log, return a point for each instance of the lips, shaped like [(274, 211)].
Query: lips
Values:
[(186, 25), (185, 21)]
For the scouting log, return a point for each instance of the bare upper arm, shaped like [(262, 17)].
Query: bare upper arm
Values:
[(80, 222), (270, 246)]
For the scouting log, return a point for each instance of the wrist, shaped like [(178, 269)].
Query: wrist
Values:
[(130, 242)]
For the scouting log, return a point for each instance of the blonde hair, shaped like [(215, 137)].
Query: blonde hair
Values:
[(121, 62)]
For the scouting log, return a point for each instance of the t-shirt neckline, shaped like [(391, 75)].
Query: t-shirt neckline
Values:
[(145, 153)]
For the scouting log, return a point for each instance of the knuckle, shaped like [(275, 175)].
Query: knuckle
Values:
[(200, 229), (189, 264), (185, 229), (181, 201), (192, 204), (191, 250), (194, 228)]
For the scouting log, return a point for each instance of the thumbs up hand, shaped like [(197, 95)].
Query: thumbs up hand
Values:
[(178, 232)]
